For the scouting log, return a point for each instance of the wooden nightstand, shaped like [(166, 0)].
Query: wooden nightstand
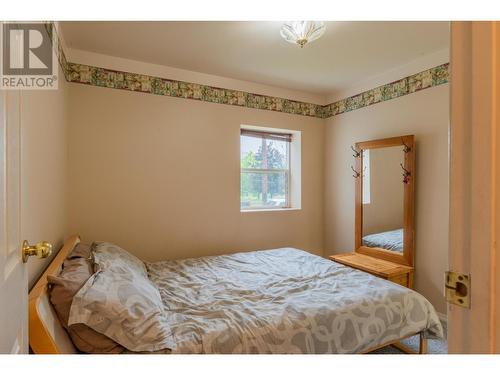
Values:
[(397, 273)]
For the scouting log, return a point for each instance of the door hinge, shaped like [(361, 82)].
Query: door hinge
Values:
[(457, 288)]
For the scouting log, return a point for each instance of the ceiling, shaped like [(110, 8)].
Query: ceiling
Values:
[(348, 52)]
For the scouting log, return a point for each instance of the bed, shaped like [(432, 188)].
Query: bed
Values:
[(390, 240), (271, 301)]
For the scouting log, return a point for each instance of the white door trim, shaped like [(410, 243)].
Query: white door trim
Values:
[(474, 184)]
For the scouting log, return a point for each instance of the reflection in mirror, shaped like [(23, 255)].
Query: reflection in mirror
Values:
[(383, 198)]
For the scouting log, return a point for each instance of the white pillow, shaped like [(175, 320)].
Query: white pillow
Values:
[(119, 301), (108, 255)]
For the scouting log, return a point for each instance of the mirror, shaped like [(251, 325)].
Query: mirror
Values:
[(384, 198)]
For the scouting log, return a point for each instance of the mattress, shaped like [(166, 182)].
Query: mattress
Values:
[(390, 240), (284, 301)]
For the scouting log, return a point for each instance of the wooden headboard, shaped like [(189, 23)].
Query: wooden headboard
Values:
[(46, 333)]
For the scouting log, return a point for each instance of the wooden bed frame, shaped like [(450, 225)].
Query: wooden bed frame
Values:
[(46, 333), (48, 336)]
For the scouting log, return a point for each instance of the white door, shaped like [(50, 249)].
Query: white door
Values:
[(13, 274), (475, 184)]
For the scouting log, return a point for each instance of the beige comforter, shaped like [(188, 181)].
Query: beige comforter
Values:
[(284, 301)]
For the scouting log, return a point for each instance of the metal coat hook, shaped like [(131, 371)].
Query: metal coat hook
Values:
[(356, 173), (406, 148), (356, 153), (406, 174)]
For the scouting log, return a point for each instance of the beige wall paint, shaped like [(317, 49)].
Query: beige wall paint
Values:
[(426, 115), (160, 176), (44, 165), (420, 64), (385, 210)]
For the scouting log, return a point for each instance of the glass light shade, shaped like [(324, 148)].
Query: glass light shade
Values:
[(302, 32)]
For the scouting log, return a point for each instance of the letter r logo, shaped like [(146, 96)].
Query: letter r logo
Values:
[(27, 49)]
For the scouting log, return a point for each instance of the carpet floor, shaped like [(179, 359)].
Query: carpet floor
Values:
[(435, 346)]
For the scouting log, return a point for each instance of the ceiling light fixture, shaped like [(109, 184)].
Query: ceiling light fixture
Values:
[(302, 32)]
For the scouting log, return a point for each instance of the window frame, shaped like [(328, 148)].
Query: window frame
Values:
[(270, 135)]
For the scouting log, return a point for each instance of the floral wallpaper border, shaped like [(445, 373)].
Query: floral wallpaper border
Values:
[(101, 77), (57, 45), (428, 78)]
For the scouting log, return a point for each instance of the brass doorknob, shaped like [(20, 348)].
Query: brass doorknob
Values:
[(41, 250)]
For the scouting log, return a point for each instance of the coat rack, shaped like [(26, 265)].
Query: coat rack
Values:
[(406, 174), (357, 153), (406, 148), (356, 173)]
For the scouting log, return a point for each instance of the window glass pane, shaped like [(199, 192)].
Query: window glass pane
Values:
[(264, 153), (264, 189), (366, 177)]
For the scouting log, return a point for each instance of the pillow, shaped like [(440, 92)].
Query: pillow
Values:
[(125, 306), (108, 255), (81, 250), (74, 275)]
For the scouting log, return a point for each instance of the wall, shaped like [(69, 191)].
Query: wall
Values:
[(426, 115), (160, 176), (385, 210), (427, 61), (128, 65), (122, 171), (44, 165)]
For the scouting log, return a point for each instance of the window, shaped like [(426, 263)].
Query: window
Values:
[(366, 177), (265, 169)]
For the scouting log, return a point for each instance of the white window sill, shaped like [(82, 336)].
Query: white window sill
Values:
[(272, 209)]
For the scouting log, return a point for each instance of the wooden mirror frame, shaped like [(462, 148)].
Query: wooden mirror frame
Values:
[(408, 205)]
